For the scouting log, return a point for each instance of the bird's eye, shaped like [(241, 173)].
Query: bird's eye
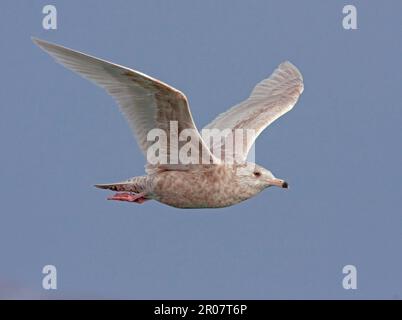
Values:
[(257, 174)]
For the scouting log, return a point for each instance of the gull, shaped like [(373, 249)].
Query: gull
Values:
[(150, 104)]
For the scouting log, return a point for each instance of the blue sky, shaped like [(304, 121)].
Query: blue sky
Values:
[(339, 149)]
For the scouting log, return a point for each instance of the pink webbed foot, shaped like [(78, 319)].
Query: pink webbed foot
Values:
[(130, 197)]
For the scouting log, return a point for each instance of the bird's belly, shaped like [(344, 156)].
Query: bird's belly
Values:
[(187, 191), (199, 199)]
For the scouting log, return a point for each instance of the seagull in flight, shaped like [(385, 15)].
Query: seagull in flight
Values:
[(197, 177)]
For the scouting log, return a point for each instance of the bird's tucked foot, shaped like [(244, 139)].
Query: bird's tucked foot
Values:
[(130, 197)]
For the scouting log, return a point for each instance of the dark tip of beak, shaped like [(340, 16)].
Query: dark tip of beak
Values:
[(285, 185)]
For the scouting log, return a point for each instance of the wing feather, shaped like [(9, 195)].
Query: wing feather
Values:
[(147, 103), (270, 99)]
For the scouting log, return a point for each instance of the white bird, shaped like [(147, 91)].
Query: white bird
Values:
[(201, 179)]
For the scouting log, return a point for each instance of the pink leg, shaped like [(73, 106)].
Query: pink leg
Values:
[(130, 197)]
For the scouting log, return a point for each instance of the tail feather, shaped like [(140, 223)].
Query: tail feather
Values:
[(136, 185), (112, 186)]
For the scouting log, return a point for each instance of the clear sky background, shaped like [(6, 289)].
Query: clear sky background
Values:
[(339, 149)]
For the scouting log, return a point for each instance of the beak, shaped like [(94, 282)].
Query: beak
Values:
[(278, 183)]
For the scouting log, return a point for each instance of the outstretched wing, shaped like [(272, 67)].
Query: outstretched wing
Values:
[(147, 103), (269, 100)]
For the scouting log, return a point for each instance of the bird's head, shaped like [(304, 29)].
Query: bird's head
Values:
[(257, 177)]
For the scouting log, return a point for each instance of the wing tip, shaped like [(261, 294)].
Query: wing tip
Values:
[(289, 65), (39, 42), (46, 46)]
